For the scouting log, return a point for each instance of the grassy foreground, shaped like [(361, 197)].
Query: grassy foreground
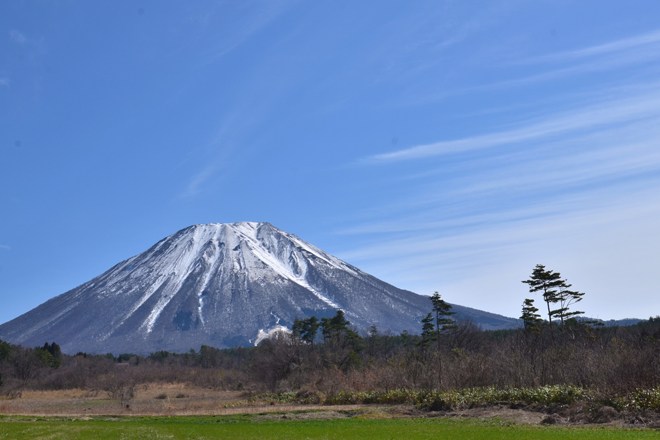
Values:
[(256, 427)]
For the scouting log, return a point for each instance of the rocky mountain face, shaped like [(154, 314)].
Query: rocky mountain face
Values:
[(222, 285)]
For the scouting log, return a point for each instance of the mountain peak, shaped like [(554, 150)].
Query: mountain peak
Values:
[(219, 284)]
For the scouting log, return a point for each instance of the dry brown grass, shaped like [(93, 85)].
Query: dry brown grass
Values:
[(153, 399), (173, 399), (149, 399)]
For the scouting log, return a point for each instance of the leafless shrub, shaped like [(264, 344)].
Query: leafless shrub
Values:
[(612, 361)]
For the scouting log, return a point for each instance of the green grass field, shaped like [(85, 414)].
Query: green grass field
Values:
[(254, 427)]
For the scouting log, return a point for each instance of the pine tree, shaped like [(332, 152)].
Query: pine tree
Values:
[(530, 318), (428, 331), (566, 298), (442, 310), (337, 327), (554, 290), (305, 329), (548, 283)]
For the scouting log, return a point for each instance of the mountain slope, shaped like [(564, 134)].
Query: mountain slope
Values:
[(221, 285)]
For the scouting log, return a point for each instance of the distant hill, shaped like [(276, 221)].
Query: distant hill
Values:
[(619, 322)]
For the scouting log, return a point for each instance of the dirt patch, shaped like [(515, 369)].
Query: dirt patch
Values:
[(518, 416)]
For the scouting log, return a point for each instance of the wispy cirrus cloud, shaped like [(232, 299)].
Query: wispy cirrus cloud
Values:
[(589, 117), (223, 147), (648, 42), (230, 36), (576, 188), (490, 187), (5, 247), (639, 52), (196, 182), (579, 234)]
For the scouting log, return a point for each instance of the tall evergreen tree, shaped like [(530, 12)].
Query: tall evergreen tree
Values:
[(555, 291), (442, 311), (530, 318), (337, 327), (428, 331), (305, 330), (548, 283)]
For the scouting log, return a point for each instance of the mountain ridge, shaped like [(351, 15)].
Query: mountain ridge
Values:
[(220, 284)]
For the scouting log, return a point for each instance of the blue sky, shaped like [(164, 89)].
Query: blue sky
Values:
[(440, 145)]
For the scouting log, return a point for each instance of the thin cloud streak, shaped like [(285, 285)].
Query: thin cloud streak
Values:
[(523, 193), (242, 35), (539, 219), (575, 69), (196, 182), (463, 264), (627, 52), (589, 117), (622, 45), (576, 189)]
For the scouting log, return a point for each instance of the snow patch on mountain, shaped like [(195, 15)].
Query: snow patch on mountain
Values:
[(268, 334)]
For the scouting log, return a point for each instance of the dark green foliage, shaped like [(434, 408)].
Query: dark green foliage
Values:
[(127, 358), (341, 343), (5, 349), (548, 283), (160, 356), (556, 293), (428, 331), (50, 354), (442, 311), (530, 318), (306, 329), (336, 327)]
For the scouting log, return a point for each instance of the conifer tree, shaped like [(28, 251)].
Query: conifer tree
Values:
[(547, 282), (566, 298), (305, 329), (530, 318), (442, 311), (337, 327), (554, 290), (428, 331)]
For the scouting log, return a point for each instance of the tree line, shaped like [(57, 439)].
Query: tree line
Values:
[(610, 359), (329, 355)]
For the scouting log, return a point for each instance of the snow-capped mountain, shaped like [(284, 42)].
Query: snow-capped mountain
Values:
[(221, 285)]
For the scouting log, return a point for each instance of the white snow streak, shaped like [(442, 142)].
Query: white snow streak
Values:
[(263, 253), (180, 265), (284, 270)]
